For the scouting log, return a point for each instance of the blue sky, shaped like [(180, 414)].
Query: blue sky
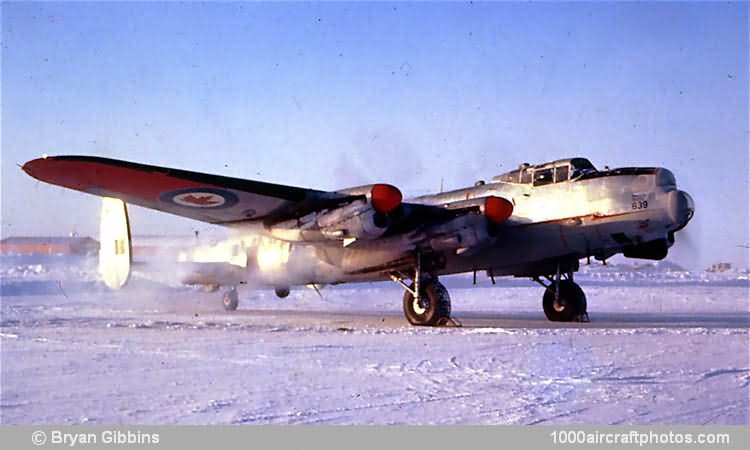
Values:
[(330, 95)]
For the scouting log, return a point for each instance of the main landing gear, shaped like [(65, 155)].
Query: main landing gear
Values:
[(564, 300), (426, 300)]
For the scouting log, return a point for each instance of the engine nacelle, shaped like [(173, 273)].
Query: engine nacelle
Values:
[(362, 219), (357, 220), (496, 209), (466, 232)]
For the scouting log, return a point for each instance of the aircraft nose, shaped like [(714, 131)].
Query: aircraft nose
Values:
[(681, 208)]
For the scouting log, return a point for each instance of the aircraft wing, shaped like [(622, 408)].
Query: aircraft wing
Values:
[(209, 198)]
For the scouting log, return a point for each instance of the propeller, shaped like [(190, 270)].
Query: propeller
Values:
[(687, 246), (689, 242)]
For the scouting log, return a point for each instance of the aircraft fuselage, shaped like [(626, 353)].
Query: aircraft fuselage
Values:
[(597, 214)]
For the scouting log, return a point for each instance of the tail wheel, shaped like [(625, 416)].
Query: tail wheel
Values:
[(570, 304), (230, 300), (433, 305)]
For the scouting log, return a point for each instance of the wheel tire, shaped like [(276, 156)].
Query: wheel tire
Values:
[(571, 305), (282, 292), (230, 300), (435, 305)]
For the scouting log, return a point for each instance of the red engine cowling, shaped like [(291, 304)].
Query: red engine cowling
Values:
[(385, 198), (497, 209)]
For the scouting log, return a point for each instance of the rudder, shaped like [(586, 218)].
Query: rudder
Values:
[(115, 251)]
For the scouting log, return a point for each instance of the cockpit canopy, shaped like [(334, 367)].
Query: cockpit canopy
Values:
[(547, 173)]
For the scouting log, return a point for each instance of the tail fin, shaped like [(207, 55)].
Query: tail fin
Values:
[(115, 252)]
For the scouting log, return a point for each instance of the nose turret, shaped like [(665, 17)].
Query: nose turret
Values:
[(681, 208)]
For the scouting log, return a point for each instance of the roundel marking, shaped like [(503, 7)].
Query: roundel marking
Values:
[(198, 197)]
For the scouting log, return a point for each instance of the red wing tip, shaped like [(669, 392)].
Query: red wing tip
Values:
[(29, 166), (37, 166)]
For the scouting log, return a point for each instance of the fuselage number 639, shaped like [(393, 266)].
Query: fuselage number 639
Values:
[(640, 204)]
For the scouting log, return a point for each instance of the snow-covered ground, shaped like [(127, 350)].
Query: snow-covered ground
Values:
[(75, 353)]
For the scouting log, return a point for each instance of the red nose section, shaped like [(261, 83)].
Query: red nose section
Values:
[(385, 198), (497, 209)]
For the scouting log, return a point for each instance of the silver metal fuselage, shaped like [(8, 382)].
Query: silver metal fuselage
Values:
[(596, 217), (632, 211)]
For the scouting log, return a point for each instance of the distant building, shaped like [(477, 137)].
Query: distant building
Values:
[(720, 267), (49, 245)]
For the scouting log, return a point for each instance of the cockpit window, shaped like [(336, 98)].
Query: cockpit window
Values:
[(580, 166), (526, 176), (550, 172), (511, 177), (542, 177)]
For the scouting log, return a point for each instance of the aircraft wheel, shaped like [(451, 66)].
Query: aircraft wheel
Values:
[(434, 304), (282, 292), (569, 307), (230, 300)]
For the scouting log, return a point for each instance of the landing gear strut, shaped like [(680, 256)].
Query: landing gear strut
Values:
[(230, 299), (564, 300), (426, 300)]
